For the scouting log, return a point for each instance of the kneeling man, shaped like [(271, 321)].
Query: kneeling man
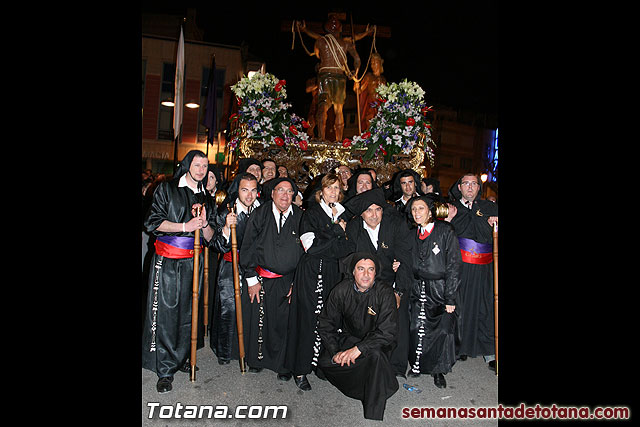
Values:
[(358, 326)]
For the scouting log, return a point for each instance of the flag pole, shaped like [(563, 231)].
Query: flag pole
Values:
[(178, 96)]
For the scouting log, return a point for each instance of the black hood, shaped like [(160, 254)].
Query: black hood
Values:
[(397, 189), (213, 168), (348, 263), (455, 195), (244, 163), (351, 182), (361, 202), (185, 164)]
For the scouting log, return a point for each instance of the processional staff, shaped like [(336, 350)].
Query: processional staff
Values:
[(236, 288), (194, 298), (495, 287), (205, 296)]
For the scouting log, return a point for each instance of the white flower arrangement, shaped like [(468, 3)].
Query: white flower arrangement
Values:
[(399, 125), (261, 108)]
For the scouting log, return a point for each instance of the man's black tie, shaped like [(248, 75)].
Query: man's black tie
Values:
[(280, 224)]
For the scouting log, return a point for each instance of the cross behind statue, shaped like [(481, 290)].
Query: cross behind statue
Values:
[(331, 48)]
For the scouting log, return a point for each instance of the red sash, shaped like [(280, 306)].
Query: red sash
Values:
[(474, 252), (266, 273), (228, 256), (170, 251)]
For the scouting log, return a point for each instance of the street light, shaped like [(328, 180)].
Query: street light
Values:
[(170, 103)]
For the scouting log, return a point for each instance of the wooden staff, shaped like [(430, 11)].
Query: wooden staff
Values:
[(205, 283), (194, 299), (495, 287), (236, 288)]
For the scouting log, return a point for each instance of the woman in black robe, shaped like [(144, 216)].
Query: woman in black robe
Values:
[(436, 263), (322, 233)]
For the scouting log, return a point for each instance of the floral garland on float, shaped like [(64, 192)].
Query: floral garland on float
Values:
[(400, 125), (262, 114)]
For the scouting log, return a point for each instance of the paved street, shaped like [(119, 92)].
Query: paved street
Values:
[(471, 384)]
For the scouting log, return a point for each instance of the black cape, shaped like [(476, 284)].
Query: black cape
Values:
[(476, 281), (434, 333), (317, 273), (265, 323), (393, 244), (166, 338), (369, 321)]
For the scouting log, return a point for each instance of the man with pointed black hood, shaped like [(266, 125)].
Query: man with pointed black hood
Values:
[(172, 219), (358, 326), (473, 219), (378, 229), (269, 255)]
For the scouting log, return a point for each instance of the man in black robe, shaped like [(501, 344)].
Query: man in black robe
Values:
[(171, 218), (378, 229), (473, 219), (269, 255), (224, 332), (358, 325)]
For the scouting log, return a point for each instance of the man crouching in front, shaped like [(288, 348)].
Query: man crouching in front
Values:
[(358, 325)]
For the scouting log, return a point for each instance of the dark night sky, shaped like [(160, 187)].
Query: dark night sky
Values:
[(449, 48)]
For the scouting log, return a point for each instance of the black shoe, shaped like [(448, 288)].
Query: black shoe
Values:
[(222, 361), (302, 382), (414, 374), (462, 357), (187, 367), (164, 384), (255, 370), (401, 374), (439, 381), (492, 365), (284, 377)]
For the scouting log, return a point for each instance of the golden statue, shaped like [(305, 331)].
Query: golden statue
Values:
[(366, 90), (333, 71)]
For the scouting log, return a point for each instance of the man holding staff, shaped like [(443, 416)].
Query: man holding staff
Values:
[(473, 220), (224, 334), (172, 218)]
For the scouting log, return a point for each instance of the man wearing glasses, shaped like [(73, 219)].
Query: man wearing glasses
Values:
[(269, 254), (473, 220)]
